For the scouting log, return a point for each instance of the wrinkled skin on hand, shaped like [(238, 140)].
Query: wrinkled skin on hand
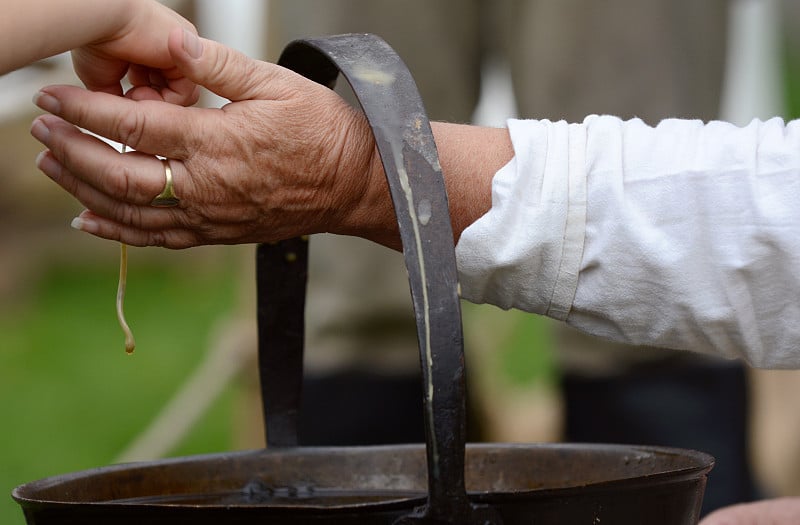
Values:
[(780, 511), (286, 157)]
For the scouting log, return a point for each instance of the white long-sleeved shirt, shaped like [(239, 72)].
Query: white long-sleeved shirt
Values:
[(685, 235)]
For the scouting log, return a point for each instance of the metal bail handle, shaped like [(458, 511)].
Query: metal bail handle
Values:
[(390, 100)]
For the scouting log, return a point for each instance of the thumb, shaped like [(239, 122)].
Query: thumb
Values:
[(221, 69)]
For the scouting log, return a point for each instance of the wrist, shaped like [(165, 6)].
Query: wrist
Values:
[(117, 17), (470, 156), (367, 209)]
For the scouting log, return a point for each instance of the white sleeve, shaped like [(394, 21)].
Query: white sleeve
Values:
[(684, 235)]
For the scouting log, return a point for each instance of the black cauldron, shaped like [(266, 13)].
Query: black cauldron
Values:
[(442, 481)]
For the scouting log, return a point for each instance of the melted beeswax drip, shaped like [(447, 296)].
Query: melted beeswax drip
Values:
[(130, 342)]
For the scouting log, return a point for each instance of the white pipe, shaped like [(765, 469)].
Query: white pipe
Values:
[(753, 79), (236, 23), (240, 24)]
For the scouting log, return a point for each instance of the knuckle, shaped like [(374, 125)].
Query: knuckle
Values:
[(131, 215), (119, 186), (202, 226), (73, 186), (232, 66), (157, 239), (81, 114), (131, 127), (219, 67)]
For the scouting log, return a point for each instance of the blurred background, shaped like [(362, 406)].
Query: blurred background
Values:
[(70, 398)]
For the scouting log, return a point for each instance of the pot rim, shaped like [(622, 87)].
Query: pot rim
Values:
[(698, 464)]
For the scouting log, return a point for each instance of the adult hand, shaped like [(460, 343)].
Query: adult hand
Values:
[(286, 157), (780, 511)]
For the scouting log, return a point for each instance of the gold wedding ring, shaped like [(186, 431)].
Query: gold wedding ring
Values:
[(167, 196)]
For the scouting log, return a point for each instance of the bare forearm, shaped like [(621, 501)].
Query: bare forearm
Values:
[(469, 156), (35, 29)]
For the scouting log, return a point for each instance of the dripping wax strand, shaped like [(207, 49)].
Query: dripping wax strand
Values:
[(130, 343)]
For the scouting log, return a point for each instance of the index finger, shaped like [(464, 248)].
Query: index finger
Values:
[(148, 126)]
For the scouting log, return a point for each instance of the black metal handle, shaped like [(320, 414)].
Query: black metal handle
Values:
[(390, 100)]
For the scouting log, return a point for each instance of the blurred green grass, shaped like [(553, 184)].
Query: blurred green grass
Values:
[(526, 354), (791, 77), (71, 398)]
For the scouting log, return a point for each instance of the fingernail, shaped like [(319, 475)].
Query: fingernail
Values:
[(40, 130), (48, 165), (47, 102), (84, 225), (40, 158), (192, 44)]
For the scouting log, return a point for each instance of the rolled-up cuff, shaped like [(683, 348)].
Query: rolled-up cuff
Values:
[(525, 252)]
